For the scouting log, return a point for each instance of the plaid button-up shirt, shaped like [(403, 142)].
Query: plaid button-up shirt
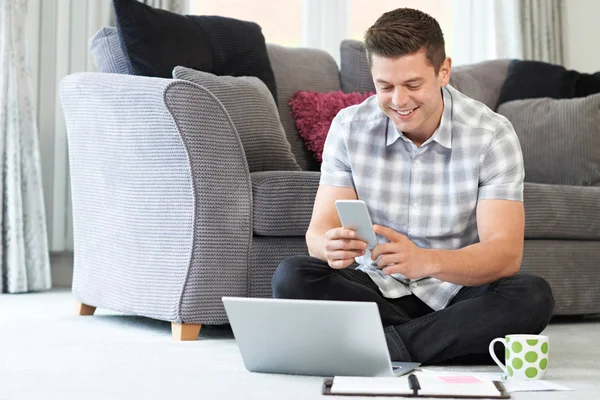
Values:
[(430, 193)]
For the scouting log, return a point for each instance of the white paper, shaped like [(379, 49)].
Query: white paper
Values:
[(509, 384), (370, 385), (532, 386)]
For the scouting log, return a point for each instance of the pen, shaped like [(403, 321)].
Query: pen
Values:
[(413, 383)]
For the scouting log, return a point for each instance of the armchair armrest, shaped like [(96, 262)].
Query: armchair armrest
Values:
[(283, 201), (162, 200)]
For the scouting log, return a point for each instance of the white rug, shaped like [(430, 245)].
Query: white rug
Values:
[(47, 352)]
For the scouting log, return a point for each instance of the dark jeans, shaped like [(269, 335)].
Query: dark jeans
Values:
[(459, 333)]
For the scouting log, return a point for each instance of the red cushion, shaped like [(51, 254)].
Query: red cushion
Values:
[(314, 111)]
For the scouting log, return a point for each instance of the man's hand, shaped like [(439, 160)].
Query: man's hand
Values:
[(341, 246), (400, 255)]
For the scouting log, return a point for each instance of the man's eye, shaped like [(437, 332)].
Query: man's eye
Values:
[(413, 87), (385, 87)]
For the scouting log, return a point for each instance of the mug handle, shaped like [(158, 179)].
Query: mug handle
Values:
[(493, 354)]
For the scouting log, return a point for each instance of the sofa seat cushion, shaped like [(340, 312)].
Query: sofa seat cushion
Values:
[(283, 202), (561, 212)]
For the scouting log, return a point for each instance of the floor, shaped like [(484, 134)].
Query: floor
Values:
[(48, 352)]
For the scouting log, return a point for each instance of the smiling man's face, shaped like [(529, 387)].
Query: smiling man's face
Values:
[(409, 92)]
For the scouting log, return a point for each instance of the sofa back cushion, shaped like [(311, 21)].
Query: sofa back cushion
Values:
[(107, 53), (481, 81), (253, 112), (155, 41), (300, 69), (560, 138)]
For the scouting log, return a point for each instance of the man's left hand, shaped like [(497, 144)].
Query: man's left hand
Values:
[(401, 255)]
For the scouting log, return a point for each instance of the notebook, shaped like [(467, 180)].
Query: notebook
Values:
[(416, 384)]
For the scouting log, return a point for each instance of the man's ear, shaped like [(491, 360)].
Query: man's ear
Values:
[(445, 70)]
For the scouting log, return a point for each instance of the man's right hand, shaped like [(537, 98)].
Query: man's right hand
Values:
[(342, 246)]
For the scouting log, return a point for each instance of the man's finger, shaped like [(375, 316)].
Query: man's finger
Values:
[(380, 249), (345, 244), (340, 233), (387, 233), (340, 264)]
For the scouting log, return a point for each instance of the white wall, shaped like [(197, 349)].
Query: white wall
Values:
[(582, 31)]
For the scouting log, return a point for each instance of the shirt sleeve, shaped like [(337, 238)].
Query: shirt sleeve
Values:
[(335, 168), (502, 170)]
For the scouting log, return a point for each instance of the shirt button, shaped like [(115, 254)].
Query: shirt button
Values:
[(415, 284), (415, 203)]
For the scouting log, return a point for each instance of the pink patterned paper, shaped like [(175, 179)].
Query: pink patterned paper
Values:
[(459, 379)]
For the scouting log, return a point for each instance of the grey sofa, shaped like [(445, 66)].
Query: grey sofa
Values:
[(168, 219)]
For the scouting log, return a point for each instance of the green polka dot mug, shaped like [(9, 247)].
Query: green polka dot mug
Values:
[(526, 356)]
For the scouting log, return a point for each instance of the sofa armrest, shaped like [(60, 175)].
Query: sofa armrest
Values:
[(162, 209), (283, 201)]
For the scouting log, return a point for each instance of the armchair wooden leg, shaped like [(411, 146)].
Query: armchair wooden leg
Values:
[(185, 331), (84, 309)]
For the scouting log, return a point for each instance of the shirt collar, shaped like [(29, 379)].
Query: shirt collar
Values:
[(442, 135)]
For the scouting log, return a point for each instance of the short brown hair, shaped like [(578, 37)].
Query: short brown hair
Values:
[(406, 31)]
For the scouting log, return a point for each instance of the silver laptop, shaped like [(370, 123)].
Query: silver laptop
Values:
[(311, 337)]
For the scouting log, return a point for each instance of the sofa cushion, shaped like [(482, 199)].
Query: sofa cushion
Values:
[(561, 212), (106, 51), (244, 98), (481, 81), (301, 69), (314, 111), (283, 202), (155, 41), (560, 138), (355, 74), (535, 79)]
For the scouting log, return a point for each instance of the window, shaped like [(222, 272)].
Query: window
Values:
[(281, 21), (363, 13)]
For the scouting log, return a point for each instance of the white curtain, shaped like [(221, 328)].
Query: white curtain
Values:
[(24, 253), (541, 30), (486, 30), (492, 29), (177, 6)]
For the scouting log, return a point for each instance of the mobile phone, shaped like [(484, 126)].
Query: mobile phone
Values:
[(355, 215)]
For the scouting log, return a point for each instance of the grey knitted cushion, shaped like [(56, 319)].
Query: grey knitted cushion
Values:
[(560, 138), (481, 81), (254, 115), (106, 51)]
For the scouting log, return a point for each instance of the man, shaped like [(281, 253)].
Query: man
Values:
[(442, 176)]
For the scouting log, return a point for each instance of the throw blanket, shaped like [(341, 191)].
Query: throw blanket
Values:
[(156, 41), (534, 79)]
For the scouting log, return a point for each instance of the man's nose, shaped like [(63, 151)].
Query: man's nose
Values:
[(400, 97)]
